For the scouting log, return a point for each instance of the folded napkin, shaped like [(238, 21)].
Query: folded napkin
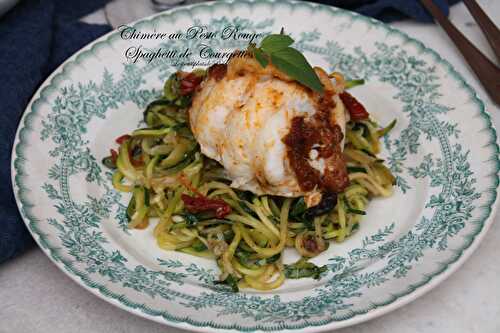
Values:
[(36, 36)]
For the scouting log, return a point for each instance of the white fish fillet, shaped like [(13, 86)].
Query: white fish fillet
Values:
[(240, 121)]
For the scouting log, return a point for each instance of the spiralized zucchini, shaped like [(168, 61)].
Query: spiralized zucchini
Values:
[(162, 162)]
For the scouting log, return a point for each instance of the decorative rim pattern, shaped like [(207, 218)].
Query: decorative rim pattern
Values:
[(25, 206)]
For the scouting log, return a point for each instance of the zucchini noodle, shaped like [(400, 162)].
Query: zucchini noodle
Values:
[(161, 163)]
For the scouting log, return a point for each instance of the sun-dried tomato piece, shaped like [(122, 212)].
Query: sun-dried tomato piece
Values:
[(355, 108), (202, 204), (114, 155), (189, 83), (121, 139)]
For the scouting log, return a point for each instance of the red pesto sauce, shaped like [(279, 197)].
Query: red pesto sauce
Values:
[(217, 71), (303, 135)]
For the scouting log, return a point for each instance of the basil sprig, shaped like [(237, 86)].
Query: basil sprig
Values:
[(276, 48)]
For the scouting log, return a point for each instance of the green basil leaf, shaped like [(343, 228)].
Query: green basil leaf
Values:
[(275, 42), (294, 64), (260, 57)]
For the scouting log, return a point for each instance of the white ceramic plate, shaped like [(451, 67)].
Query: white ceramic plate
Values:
[(443, 151)]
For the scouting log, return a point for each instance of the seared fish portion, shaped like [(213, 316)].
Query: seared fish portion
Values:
[(271, 134)]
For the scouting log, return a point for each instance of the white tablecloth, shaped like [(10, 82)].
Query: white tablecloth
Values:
[(35, 296)]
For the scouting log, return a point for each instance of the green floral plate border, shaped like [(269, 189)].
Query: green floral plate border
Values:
[(55, 150)]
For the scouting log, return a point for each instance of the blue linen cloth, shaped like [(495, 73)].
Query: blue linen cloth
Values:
[(37, 35), (390, 10)]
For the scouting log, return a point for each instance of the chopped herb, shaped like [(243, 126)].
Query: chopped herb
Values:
[(353, 83), (245, 247), (243, 257), (298, 208), (301, 213), (245, 195), (308, 223), (199, 246), (269, 260), (183, 101), (231, 281), (327, 204), (304, 269), (190, 219), (247, 209), (228, 235), (242, 254)]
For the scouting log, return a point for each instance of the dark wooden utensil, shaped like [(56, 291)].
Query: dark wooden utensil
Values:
[(486, 71), (489, 28)]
